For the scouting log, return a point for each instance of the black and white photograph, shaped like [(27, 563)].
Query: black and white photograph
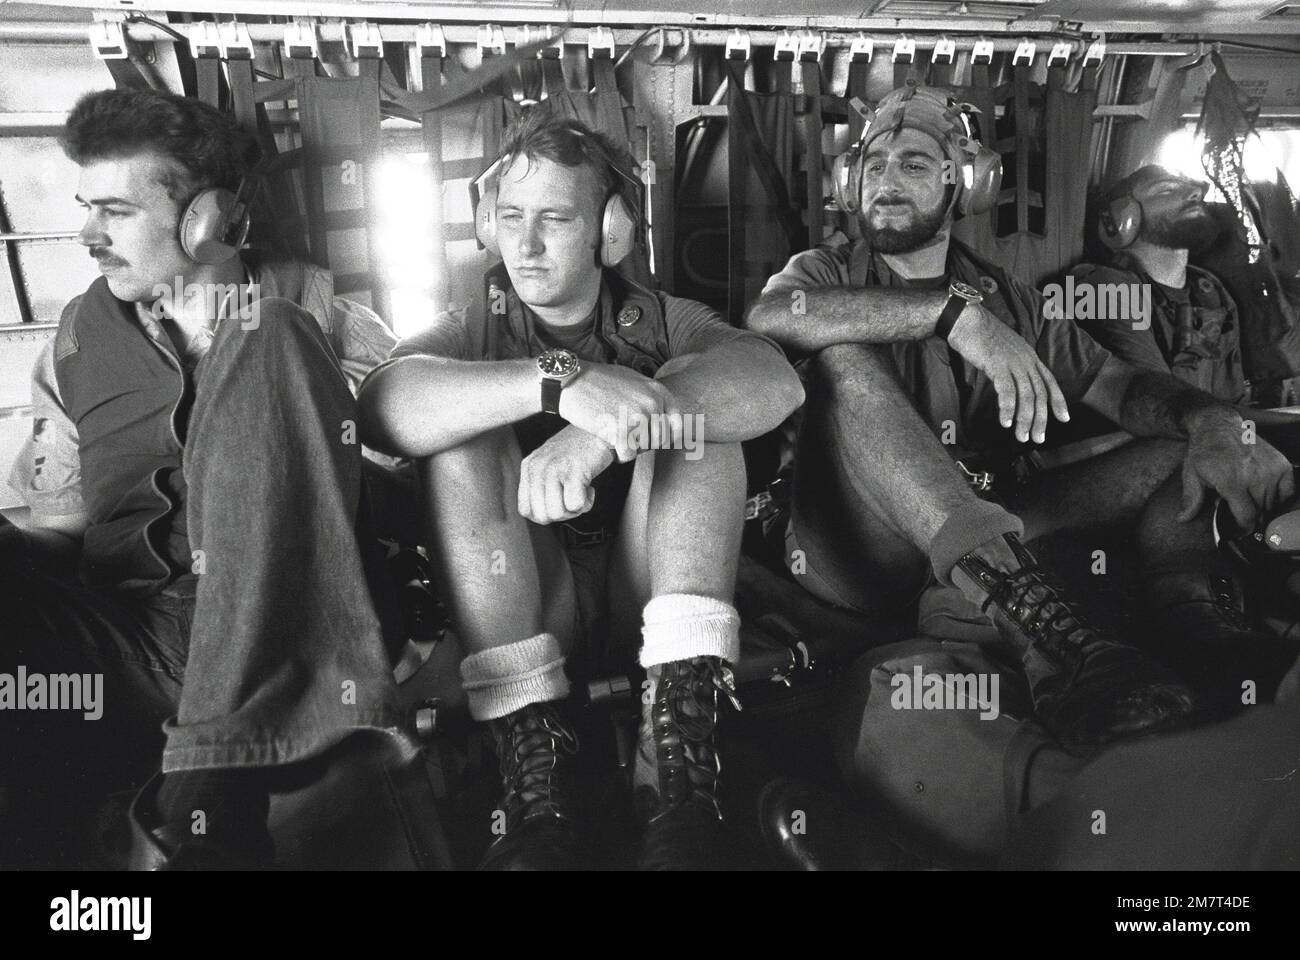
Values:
[(651, 436)]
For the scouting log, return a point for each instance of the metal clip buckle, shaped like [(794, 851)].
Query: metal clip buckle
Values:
[(490, 39), (600, 42), (205, 41), (1096, 51), (861, 49), (300, 41), (1026, 50), (945, 51), (430, 41), (236, 43), (738, 45), (982, 52), (1060, 51), (904, 50), (364, 41), (981, 481), (787, 46), (757, 504), (811, 46)]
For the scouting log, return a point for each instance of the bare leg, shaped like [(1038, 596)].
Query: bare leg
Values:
[(505, 579), (875, 486), (1111, 489), (681, 530)]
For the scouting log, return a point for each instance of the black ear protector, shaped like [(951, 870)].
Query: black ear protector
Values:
[(949, 121), (214, 225), (618, 221)]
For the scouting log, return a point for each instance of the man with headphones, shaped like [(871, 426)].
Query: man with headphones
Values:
[(194, 481), (1151, 220), (922, 354), (563, 528)]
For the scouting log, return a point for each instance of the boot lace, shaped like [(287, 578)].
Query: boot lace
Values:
[(530, 752), (692, 699)]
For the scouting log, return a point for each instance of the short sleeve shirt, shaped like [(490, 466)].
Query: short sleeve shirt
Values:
[(459, 334), (940, 383)]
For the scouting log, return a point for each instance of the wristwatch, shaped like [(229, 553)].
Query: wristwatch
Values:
[(959, 294), (557, 367)]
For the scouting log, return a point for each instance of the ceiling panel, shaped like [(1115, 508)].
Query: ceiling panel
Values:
[(976, 15)]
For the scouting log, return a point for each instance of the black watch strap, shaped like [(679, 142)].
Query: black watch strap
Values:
[(551, 395), (948, 318)]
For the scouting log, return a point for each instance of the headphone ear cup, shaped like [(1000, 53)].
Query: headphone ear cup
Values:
[(207, 234), (485, 220), (981, 184), (1120, 222), (618, 231), (846, 179)]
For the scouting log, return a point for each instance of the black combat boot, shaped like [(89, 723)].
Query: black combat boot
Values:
[(533, 745), (677, 768), (1087, 689), (1198, 625)]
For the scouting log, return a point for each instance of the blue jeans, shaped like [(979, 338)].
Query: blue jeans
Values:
[(272, 651)]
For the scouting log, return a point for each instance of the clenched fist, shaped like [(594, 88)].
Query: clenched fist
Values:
[(555, 479)]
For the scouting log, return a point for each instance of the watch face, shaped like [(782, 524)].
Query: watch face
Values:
[(966, 291), (557, 364)]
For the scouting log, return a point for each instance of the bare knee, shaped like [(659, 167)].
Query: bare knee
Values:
[(485, 467)]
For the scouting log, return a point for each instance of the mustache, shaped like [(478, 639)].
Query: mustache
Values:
[(895, 202), (107, 259)]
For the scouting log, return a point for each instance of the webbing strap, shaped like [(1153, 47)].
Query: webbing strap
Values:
[(294, 67), (812, 158), (431, 133), (908, 70), (471, 82), (557, 93), (609, 102), (368, 68), (856, 88), (737, 180), (746, 150), (748, 140), (207, 72), (1020, 86), (240, 73), (340, 135)]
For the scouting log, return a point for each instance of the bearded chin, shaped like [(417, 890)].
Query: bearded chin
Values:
[(905, 239), (1192, 233)]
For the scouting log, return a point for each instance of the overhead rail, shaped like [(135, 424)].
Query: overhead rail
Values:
[(815, 42)]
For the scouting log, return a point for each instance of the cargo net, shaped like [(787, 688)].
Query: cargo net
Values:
[(1227, 118)]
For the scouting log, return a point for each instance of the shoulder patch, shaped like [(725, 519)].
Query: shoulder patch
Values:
[(65, 339)]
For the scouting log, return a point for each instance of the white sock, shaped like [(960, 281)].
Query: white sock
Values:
[(679, 626), (501, 680)]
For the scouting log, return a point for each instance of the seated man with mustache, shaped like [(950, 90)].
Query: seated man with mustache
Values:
[(195, 458), (910, 372)]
